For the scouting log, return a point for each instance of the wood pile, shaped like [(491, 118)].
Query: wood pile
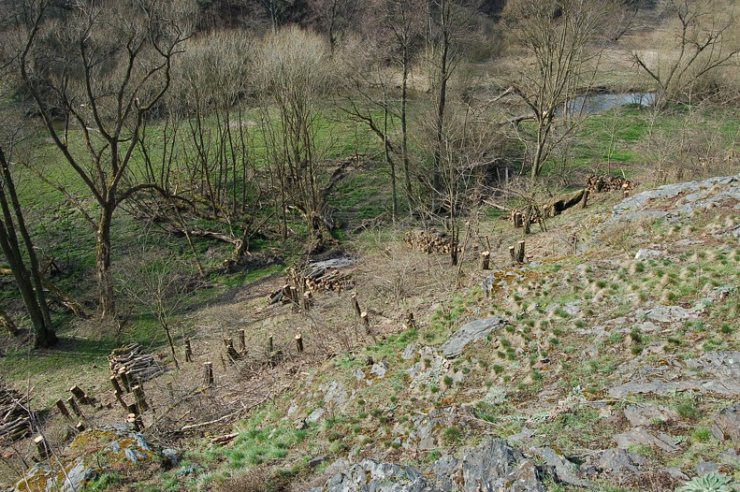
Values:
[(133, 366), (602, 184), (429, 241), (15, 422), (317, 279)]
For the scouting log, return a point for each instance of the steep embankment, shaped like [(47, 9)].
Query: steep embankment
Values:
[(611, 358), (618, 365)]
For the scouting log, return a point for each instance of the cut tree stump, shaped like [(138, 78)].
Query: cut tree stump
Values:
[(520, 252), (485, 260), (42, 447), (140, 398), (188, 351), (74, 406), (208, 374), (63, 409), (299, 342), (80, 395)]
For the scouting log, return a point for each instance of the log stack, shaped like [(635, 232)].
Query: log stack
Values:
[(429, 241), (603, 184), (15, 422), (317, 279), (133, 365)]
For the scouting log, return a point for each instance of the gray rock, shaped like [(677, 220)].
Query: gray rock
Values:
[(495, 466), (409, 352), (727, 424), (379, 369), (730, 457), (695, 195), (722, 364), (336, 394), (646, 254), (495, 396), (667, 314), (372, 476), (565, 470), (469, 333), (315, 416), (444, 470), (705, 467), (641, 436), (619, 462), (645, 415)]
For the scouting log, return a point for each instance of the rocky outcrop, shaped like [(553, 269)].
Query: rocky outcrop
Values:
[(680, 199), (491, 466), (89, 455), (469, 333)]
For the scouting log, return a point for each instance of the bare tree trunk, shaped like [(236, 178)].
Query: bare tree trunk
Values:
[(103, 263), (404, 119), (29, 283)]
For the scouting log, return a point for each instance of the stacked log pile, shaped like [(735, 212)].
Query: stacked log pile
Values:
[(133, 366), (317, 279), (14, 420), (602, 184), (429, 241)]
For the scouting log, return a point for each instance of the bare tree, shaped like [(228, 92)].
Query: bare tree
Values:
[(105, 68), (705, 40), (559, 59), (333, 17), (449, 22), (15, 238), (294, 71), (208, 169), (22, 258)]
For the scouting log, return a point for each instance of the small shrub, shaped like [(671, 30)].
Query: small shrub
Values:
[(711, 482)]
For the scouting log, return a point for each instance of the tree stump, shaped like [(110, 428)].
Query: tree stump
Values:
[(140, 398), (188, 351), (485, 260), (80, 427), (517, 219), (42, 447), (584, 200), (356, 305), (366, 322), (243, 340), (208, 374), (520, 252), (80, 395), (74, 406), (410, 322), (270, 345), (307, 301), (512, 254), (63, 409), (299, 343)]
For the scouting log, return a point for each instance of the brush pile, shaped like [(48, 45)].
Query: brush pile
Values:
[(602, 184), (15, 422), (133, 366), (429, 241)]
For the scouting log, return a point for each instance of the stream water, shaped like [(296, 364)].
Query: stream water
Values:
[(600, 103)]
